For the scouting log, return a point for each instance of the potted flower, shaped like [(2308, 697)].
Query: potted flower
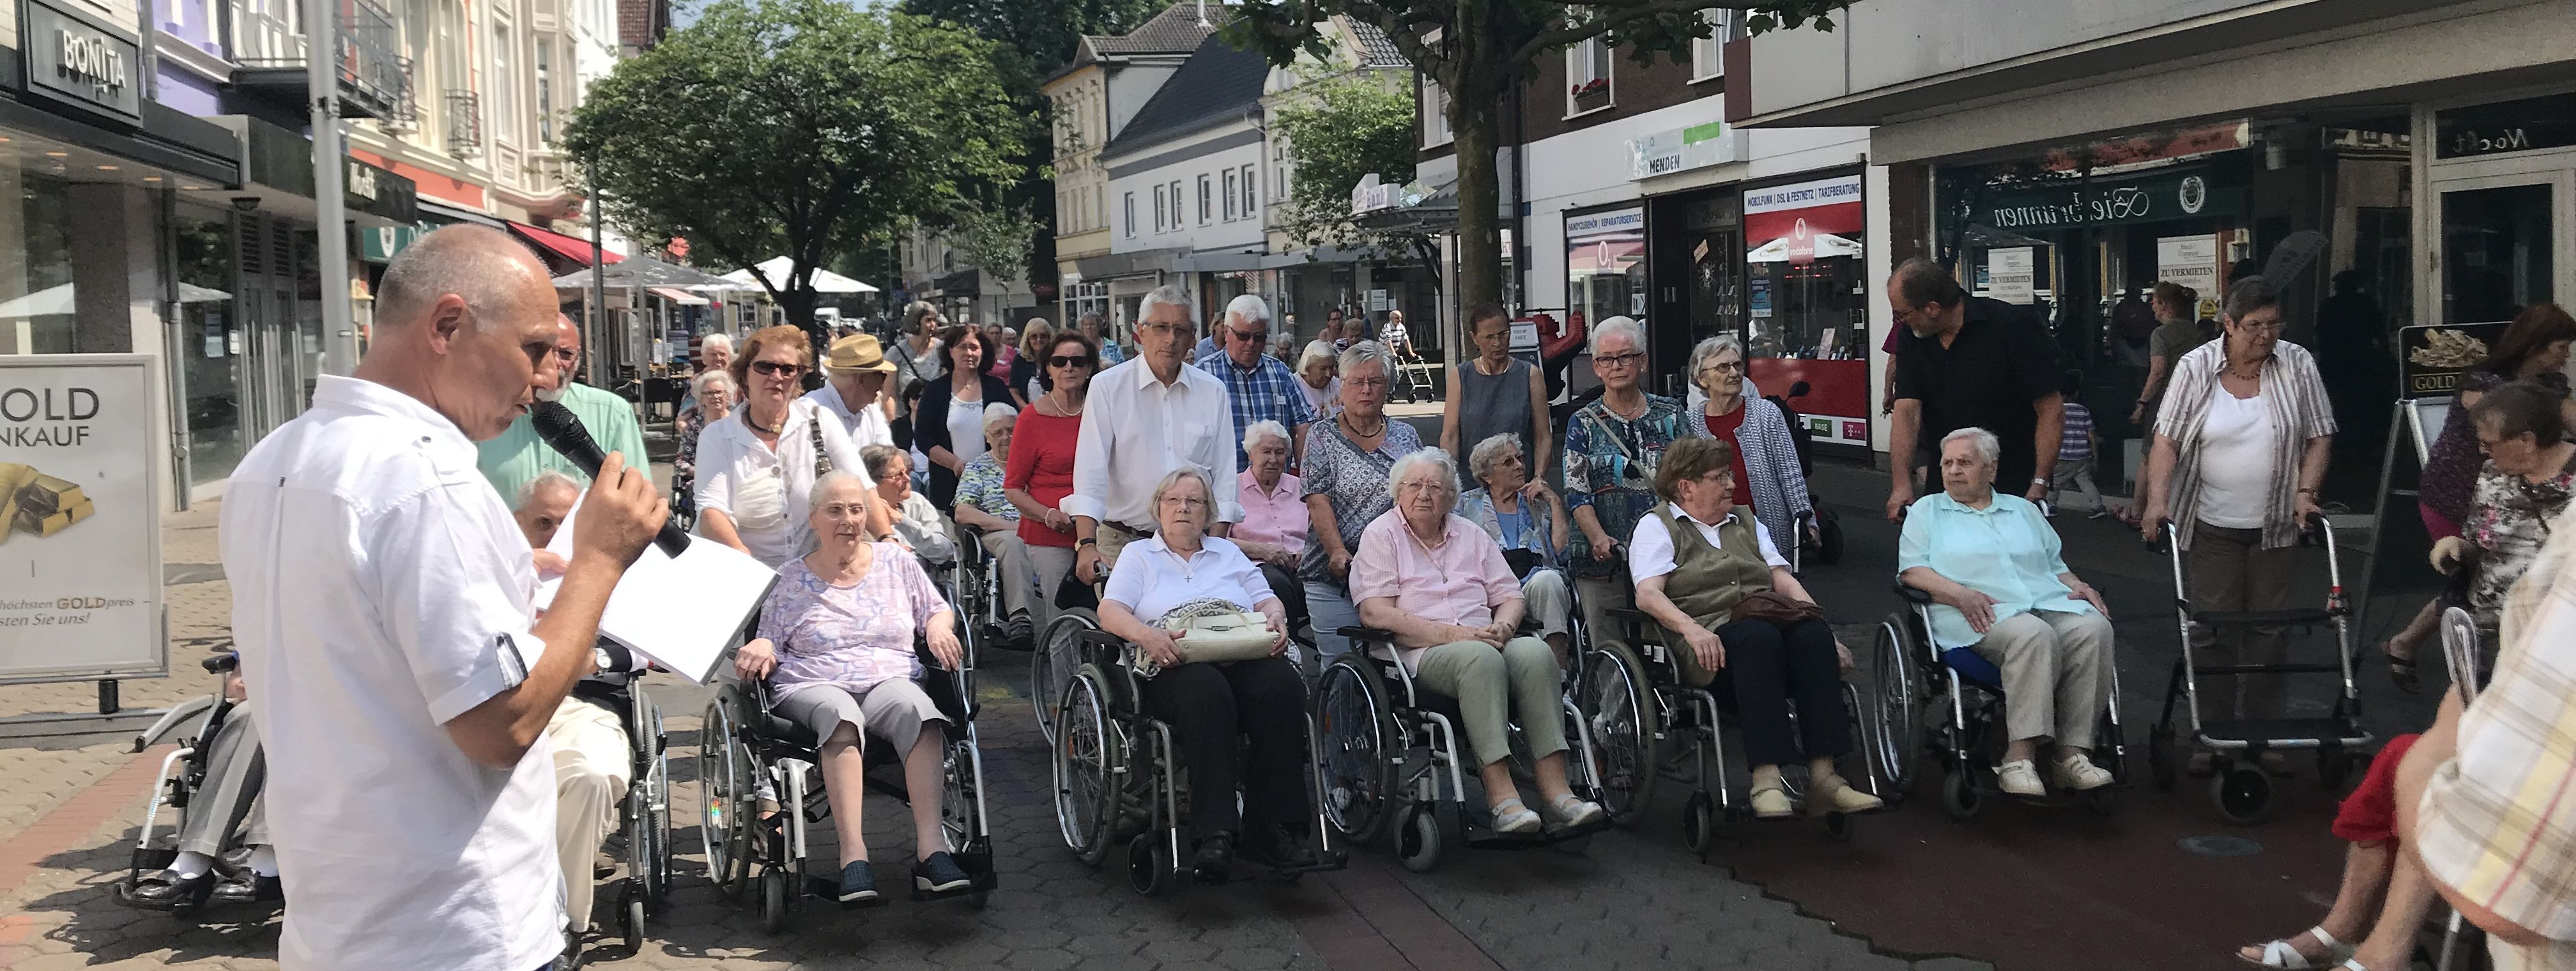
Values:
[(1591, 94)]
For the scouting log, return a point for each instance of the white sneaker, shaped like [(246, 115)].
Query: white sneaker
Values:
[(2078, 773), (2018, 777)]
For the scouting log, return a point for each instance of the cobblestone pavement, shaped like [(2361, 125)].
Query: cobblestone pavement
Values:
[(1630, 900)]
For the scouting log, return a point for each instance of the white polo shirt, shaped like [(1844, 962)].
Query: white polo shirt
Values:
[(1135, 429), (767, 493), (866, 427), (1650, 551), (380, 589)]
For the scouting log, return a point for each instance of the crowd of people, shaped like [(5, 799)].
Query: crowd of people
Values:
[(397, 748)]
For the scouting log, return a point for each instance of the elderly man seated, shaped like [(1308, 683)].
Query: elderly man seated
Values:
[(1992, 566), (1528, 519), (1442, 587), (917, 523), (1273, 530), (835, 645), (984, 506)]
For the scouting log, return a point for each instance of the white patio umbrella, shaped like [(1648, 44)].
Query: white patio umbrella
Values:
[(58, 299), (777, 269)]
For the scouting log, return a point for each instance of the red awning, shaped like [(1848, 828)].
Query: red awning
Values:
[(570, 248)]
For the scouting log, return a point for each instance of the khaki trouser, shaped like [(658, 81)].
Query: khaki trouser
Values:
[(1492, 685), (1545, 594), (1113, 539), (2228, 569), (2057, 673), (1011, 558), (592, 768)]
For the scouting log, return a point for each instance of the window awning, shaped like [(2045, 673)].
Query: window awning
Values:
[(570, 248), (682, 297)]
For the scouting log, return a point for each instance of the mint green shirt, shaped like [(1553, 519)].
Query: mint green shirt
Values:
[(2006, 551), (518, 456)]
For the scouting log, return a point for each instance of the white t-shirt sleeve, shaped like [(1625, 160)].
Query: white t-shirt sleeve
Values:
[(1128, 583), (1770, 550), (713, 488), (1650, 551), (441, 585)]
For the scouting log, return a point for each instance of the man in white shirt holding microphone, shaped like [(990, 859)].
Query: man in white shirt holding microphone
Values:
[(382, 605)]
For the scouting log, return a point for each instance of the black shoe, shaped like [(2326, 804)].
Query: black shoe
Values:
[(165, 890), (940, 874), (1017, 635), (858, 884), (570, 959), (249, 888), (1279, 849), (1214, 861)]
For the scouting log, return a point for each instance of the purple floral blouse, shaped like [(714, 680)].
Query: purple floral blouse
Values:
[(848, 637)]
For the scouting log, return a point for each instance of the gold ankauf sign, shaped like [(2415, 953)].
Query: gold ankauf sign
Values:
[(82, 445)]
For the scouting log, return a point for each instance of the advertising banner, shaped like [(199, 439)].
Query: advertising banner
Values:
[(1804, 221), (2009, 275), (80, 533), (2430, 357), (2191, 261)]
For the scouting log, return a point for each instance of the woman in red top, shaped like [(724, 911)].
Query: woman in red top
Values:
[(1767, 478), (1040, 471)]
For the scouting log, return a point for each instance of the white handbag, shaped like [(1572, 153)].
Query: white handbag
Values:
[(1213, 631)]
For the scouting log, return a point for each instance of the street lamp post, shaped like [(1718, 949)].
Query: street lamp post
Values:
[(330, 201)]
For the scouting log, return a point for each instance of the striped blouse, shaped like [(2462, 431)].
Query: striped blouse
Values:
[(2300, 411)]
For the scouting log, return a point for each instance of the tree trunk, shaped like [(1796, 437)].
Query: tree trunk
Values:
[(797, 304), (1475, 89)]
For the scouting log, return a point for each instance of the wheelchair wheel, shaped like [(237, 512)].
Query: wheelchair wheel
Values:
[(1089, 767), (1699, 823), (1149, 865), (2243, 794), (775, 898), (1355, 728), (1619, 704), (1420, 838), (1959, 795), (2164, 764), (659, 828), (1897, 680), (1052, 661), (725, 803), (958, 796), (1829, 538), (632, 915)]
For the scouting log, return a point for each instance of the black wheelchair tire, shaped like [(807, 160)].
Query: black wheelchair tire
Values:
[(1898, 682), (1611, 667), (1362, 803), (1087, 708)]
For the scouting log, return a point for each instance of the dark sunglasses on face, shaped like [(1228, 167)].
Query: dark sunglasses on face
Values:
[(1068, 360), (775, 369)]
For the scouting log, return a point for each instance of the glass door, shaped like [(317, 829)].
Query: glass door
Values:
[(2506, 238)]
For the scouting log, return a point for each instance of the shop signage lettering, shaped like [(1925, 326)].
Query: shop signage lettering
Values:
[(1803, 195), (2505, 126), (1606, 223), (80, 61), (88, 60), (1681, 149), (361, 179), (2152, 199)]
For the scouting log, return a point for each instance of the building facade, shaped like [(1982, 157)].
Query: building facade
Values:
[(1092, 99)]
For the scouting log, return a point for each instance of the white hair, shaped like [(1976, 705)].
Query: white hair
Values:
[(1367, 352), (814, 498), (716, 340), (1207, 513), (1617, 325), (1266, 427), (1481, 459), (1170, 296), (1249, 308), (1708, 350), (1436, 458), (1315, 351), (1989, 449), (528, 489), (1001, 414), (707, 379)]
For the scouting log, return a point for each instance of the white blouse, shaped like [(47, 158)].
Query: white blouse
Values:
[(1151, 580), (768, 493)]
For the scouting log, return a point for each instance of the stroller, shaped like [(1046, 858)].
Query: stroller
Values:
[(2239, 785)]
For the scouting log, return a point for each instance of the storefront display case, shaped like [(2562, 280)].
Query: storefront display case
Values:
[(1807, 302)]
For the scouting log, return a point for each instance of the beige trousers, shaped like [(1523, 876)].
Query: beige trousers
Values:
[(592, 768), (2057, 673)]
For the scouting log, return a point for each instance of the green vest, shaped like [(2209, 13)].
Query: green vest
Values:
[(1707, 581)]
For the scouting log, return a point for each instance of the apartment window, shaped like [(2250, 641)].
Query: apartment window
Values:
[(1207, 199), (1100, 195), (1587, 71), (1708, 55), (1128, 200), (1251, 194), (1435, 114), (1176, 204), (1229, 195), (1158, 208), (545, 93), (504, 86), (1283, 166)]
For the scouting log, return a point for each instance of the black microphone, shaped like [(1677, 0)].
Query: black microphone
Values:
[(562, 431)]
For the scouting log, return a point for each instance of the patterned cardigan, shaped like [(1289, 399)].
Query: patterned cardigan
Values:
[(1770, 460)]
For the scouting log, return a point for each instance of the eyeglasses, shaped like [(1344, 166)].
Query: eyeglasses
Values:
[(1620, 360), (776, 369), (1068, 360), (1167, 330), (566, 354), (1255, 336), (1724, 367), (2273, 327), (1364, 383), (1185, 502)]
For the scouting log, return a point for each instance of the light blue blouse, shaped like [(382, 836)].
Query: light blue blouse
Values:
[(2006, 551)]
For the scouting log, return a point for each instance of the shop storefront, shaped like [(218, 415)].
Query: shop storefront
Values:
[(1807, 301), (1605, 264)]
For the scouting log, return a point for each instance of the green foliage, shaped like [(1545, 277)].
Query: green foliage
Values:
[(1343, 127), (1516, 32), (805, 127)]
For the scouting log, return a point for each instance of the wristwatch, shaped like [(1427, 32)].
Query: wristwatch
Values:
[(2039, 480), (600, 659), (1086, 541)]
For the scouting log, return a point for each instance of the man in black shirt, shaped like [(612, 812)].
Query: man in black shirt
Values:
[(1970, 362)]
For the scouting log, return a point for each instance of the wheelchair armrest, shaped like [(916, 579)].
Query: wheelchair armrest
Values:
[(1912, 594), (219, 663), (1369, 634), (1631, 615)]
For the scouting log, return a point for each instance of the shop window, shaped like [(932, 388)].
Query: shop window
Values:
[(1605, 265), (1587, 70), (49, 326), (1807, 301), (211, 345)]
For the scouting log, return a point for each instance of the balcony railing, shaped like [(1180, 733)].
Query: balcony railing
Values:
[(464, 123), (405, 115), (272, 50)]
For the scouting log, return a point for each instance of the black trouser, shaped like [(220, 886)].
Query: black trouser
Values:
[(1291, 592), (1214, 709), (1769, 667)]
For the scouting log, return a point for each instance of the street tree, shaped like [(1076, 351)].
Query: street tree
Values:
[(810, 128), (1478, 50), (1344, 125)]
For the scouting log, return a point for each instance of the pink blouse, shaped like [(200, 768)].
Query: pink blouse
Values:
[(848, 637)]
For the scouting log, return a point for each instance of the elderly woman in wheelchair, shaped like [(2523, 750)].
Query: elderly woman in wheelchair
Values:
[(835, 646), (1709, 574), (1991, 567), (1441, 586), (1240, 720)]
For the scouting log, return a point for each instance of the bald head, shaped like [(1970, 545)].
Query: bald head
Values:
[(483, 267), (465, 323)]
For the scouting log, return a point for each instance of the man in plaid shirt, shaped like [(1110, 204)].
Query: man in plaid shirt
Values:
[(1261, 388), (2490, 793)]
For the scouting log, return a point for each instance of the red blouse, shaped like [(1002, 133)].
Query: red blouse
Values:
[(1042, 463)]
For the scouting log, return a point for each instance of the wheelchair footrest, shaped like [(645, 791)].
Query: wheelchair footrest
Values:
[(829, 889), (978, 865), (2282, 733), (1480, 837), (2235, 619)]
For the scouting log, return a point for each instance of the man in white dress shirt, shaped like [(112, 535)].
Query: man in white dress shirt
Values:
[(1145, 418), (855, 374), (381, 601)]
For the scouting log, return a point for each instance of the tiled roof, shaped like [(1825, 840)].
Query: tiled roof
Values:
[(1174, 31), (1218, 81), (1376, 49)]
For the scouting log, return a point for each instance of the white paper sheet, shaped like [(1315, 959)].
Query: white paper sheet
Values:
[(682, 614)]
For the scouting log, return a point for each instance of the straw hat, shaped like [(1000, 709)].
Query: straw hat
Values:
[(858, 352)]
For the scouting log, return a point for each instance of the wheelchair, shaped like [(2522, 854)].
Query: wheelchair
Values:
[(2238, 784), (176, 786), (1950, 704), (746, 748), (644, 829), (1635, 703), (1119, 778), (1394, 766), (977, 591), (1060, 651)]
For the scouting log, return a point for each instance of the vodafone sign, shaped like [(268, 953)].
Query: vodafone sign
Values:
[(1805, 220)]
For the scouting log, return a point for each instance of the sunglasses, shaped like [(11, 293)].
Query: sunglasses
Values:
[(1254, 336), (775, 369), (1068, 360)]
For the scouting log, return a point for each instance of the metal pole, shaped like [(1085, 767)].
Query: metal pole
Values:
[(598, 280), (330, 201)]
